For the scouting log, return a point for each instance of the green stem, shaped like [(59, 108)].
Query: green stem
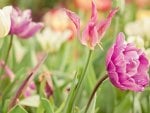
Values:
[(94, 91), (77, 88), (133, 98), (7, 55), (148, 104), (8, 52)]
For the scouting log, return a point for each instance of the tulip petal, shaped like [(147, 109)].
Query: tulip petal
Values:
[(119, 45), (94, 15), (90, 36), (32, 29), (109, 55), (75, 19), (5, 21), (22, 24), (144, 63), (141, 79), (104, 25)]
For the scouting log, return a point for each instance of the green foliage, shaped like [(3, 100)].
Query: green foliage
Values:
[(18, 109), (66, 68)]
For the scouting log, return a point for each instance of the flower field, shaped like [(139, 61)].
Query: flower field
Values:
[(74, 56)]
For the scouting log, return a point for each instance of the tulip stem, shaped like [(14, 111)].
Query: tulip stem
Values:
[(8, 51), (148, 104), (78, 86), (98, 84), (133, 98)]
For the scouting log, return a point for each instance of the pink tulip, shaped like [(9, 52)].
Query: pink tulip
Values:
[(22, 24), (127, 66), (94, 30)]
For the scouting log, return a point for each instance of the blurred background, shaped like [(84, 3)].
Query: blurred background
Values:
[(66, 54)]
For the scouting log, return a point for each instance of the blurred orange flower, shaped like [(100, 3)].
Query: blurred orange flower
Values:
[(102, 5), (57, 20), (143, 3)]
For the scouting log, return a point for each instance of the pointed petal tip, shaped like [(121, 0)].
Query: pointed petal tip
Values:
[(120, 38), (113, 12)]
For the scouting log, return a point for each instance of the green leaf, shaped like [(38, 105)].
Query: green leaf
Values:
[(18, 109), (69, 101), (47, 106), (125, 105)]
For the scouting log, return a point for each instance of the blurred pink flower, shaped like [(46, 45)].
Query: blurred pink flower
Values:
[(102, 5), (127, 66), (8, 71), (94, 30), (49, 89), (31, 89), (22, 24)]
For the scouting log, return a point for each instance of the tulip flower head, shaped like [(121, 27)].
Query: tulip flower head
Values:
[(22, 24), (5, 21), (94, 30), (127, 66)]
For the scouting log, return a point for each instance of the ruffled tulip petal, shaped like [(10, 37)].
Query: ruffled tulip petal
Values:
[(115, 80), (119, 45), (22, 24), (32, 29), (144, 63), (131, 85), (141, 79), (109, 55)]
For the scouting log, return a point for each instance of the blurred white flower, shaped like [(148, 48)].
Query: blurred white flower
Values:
[(146, 26), (147, 51), (5, 21), (137, 40), (51, 40), (139, 28)]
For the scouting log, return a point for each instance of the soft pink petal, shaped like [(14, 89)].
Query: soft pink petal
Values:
[(32, 29), (144, 63), (112, 13), (131, 85), (113, 76), (120, 63), (109, 55), (90, 36), (104, 25), (119, 45), (75, 19), (7, 70), (94, 15), (22, 25)]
